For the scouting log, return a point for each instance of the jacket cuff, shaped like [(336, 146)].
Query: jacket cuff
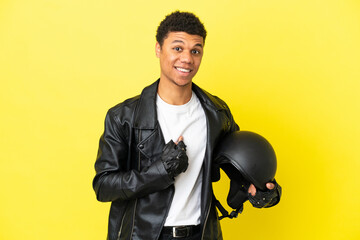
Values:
[(161, 169)]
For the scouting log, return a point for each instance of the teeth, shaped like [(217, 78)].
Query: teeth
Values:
[(183, 70)]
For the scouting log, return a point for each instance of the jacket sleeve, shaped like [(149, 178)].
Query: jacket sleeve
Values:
[(233, 125), (112, 182)]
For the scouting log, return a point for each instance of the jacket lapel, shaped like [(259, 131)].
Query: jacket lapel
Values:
[(145, 114), (150, 138)]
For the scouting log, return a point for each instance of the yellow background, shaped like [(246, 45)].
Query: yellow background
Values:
[(288, 69)]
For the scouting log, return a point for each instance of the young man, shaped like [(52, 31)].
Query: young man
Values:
[(155, 156)]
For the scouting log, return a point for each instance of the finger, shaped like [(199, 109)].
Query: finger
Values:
[(270, 186), (252, 190), (181, 138), (181, 145)]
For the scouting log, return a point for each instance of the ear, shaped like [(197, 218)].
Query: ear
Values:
[(157, 49)]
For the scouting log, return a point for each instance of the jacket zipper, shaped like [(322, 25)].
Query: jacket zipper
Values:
[(136, 200), (207, 216), (132, 228), (122, 222)]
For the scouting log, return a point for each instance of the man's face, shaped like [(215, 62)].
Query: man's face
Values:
[(180, 57)]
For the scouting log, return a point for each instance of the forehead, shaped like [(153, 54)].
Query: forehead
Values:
[(184, 38)]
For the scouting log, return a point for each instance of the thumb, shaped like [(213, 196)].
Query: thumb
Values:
[(252, 190), (181, 138), (270, 186)]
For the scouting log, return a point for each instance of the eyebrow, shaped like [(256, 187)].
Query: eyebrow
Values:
[(180, 41)]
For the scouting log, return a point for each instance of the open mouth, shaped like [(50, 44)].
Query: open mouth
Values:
[(184, 70)]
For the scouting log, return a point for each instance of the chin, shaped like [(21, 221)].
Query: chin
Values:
[(182, 83)]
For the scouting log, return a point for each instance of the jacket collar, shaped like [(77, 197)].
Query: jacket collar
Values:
[(145, 114)]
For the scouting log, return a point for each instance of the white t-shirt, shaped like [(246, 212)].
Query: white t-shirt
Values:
[(189, 121)]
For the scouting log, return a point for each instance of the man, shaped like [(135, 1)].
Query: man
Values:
[(155, 156)]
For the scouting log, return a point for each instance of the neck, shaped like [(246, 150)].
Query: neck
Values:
[(174, 94)]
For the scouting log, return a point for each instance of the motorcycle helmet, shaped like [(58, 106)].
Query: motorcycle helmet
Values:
[(245, 157)]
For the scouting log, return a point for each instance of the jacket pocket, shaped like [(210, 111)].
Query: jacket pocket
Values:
[(150, 146)]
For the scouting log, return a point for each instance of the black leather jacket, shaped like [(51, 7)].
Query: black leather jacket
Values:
[(130, 174)]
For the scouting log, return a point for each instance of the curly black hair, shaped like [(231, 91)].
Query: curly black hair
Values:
[(180, 22)]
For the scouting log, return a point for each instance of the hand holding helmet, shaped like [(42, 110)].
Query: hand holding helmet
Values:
[(267, 198)]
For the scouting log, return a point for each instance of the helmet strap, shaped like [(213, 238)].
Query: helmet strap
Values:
[(225, 213)]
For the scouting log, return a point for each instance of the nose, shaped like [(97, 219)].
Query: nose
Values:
[(186, 57)]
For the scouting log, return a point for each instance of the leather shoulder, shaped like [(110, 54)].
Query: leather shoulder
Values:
[(209, 98), (124, 111)]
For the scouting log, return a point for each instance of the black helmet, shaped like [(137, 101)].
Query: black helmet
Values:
[(246, 157)]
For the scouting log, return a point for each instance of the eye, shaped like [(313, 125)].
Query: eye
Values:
[(195, 51), (178, 49)]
